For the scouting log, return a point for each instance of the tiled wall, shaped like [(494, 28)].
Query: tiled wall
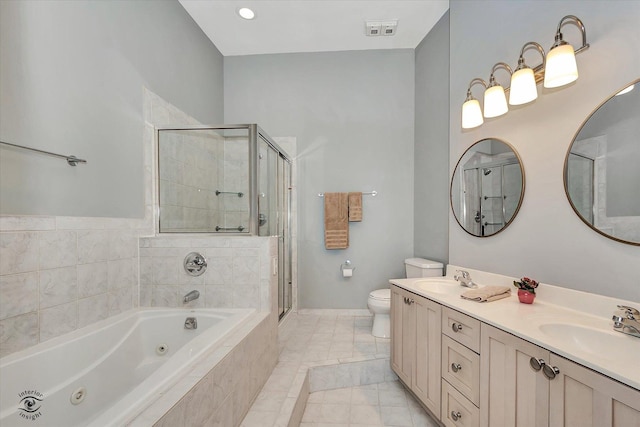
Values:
[(191, 168), (239, 271), (58, 274)]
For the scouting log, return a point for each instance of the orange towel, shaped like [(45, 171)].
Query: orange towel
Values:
[(355, 207), (336, 220)]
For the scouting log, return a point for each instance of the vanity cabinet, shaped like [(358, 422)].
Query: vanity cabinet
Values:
[(581, 397), (415, 345), (517, 390), (460, 369)]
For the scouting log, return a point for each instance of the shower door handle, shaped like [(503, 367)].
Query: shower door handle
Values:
[(477, 217)]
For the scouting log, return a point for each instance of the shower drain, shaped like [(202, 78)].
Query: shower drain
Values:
[(162, 349), (78, 395)]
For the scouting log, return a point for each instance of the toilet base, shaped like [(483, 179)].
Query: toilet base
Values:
[(381, 326)]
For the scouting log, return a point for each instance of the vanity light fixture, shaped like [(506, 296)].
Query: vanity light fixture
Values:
[(523, 87), (557, 69), (561, 67), (495, 101), (246, 13), (471, 111)]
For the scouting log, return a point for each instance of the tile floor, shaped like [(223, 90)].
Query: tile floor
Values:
[(327, 337), (383, 404)]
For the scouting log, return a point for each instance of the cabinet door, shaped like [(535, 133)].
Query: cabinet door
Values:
[(403, 334), (513, 393), (582, 397), (426, 375)]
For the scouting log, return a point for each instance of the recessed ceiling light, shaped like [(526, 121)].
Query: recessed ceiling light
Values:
[(246, 13)]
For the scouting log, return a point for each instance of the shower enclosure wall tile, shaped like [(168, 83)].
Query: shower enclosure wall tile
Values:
[(218, 296), (58, 249), (58, 286), (18, 294), (58, 320), (246, 270), (18, 252), (122, 246)]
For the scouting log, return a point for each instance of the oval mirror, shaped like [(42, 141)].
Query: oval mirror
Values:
[(487, 187), (602, 168)]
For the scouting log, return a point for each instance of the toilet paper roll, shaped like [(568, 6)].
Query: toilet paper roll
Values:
[(347, 272)]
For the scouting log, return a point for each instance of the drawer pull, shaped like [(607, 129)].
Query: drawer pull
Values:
[(536, 364), (457, 327), (550, 371), (455, 367), (455, 416), (411, 301)]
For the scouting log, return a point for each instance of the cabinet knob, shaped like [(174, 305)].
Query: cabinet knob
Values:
[(455, 416), (457, 327), (550, 371), (455, 367), (411, 301), (536, 364)]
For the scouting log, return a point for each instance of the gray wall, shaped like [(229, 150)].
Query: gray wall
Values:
[(431, 177), (546, 240), (352, 114), (71, 79)]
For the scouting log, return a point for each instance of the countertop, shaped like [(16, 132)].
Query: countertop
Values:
[(572, 324)]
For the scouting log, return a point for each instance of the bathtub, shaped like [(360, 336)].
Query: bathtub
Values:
[(106, 373)]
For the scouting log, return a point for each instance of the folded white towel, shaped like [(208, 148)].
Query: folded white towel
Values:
[(487, 293)]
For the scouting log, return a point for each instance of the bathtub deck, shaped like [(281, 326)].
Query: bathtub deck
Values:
[(328, 350)]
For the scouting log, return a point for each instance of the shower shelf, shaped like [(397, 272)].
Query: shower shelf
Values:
[(237, 193), (495, 197)]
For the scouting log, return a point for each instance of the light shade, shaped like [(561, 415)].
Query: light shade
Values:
[(561, 67), (471, 114), (523, 87), (495, 102)]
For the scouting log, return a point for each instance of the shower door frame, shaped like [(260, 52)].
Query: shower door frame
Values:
[(255, 133)]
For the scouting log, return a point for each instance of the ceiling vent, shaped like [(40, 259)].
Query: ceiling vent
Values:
[(381, 28)]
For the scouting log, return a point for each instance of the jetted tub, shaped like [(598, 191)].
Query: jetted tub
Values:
[(105, 373)]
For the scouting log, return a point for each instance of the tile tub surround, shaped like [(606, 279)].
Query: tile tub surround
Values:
[(238, 272), (222, 386), (58, 274), (319, 350)]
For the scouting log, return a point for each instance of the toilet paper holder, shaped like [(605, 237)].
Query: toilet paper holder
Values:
[(347, 269)]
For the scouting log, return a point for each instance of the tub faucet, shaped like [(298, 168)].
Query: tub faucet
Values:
[(465, 279), (627, 320), (191, 296)]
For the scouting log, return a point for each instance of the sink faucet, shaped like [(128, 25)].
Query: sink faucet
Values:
[(191, 296), (465, 279), (627, 320)]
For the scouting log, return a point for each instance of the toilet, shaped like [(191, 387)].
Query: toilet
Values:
[(379, 301)]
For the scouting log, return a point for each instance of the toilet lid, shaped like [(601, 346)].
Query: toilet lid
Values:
[(381, 294)]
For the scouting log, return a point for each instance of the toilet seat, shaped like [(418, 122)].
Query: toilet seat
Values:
[(381, 294)]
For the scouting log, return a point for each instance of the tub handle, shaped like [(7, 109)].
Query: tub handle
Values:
[(195, 264)]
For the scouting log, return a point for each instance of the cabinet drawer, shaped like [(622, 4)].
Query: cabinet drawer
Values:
[(462, 328), (461, 368), (457, 410)]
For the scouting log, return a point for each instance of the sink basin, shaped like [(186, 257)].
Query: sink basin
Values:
[(589, 340), (439, 286)]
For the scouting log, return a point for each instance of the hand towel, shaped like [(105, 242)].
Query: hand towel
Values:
[(487, 293), (355, 207), (336, 220)]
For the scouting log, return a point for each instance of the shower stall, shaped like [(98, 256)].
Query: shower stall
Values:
[(227, 180)]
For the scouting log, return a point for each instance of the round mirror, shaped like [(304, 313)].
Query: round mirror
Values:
[(602, 168), (487, 187)]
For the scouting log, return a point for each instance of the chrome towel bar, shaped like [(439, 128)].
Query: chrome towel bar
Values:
[(71, 160), (364, 193)]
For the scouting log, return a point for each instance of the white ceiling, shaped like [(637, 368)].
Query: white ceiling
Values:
[(286, 26)]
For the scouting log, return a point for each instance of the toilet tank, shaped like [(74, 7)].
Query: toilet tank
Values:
[(420, 267)]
